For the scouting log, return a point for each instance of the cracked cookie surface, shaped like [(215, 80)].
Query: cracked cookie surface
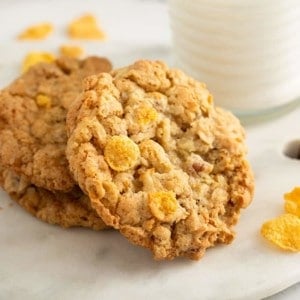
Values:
[(158, 160), (32, 120), (69, 209)]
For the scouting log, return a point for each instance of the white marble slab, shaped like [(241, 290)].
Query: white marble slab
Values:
[(39, 261)]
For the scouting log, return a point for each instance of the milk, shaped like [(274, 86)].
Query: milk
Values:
[(247, 51)]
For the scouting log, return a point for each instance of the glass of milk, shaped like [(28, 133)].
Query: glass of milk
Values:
[(246, 51)]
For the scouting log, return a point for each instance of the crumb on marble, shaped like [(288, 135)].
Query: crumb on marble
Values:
[(292, 202), (36, 32), (283, 231), (71, 51), (85, 27)]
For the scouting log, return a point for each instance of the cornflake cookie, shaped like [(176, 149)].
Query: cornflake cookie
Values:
[(158, 160), (32, 120), (64, 209)]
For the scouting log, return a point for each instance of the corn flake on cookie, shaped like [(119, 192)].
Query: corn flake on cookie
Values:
[(34, 58), (158, 160), (32, 120), (63, 209)]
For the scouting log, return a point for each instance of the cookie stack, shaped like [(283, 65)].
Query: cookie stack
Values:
[(33, 137), (152, 155)]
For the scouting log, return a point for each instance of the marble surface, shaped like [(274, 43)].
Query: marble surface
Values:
[(39, 261), (291, 293)]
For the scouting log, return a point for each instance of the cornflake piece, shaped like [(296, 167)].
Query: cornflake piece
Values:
[(43, 101), (85, 27), (36, 32), (71, 51), (163, 205), (146, 115), (292, 202), (283, 232), (121, 153), (33, 58)]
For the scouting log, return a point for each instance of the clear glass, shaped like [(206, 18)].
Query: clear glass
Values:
[(246, 51)]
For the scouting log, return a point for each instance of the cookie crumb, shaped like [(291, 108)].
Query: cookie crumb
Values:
[(36, 32), (163, 205), (85, 27), (121, 153), (71, 51), (33, 58), (283, 232)]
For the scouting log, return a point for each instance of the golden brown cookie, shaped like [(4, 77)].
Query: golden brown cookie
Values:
[(158, 160), (32, 120), (64, 209)]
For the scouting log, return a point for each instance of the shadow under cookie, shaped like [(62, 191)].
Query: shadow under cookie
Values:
[(70, 209)]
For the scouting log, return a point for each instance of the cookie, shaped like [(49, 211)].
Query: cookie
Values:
[(64, 209), (158, 160), (32, 120)]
